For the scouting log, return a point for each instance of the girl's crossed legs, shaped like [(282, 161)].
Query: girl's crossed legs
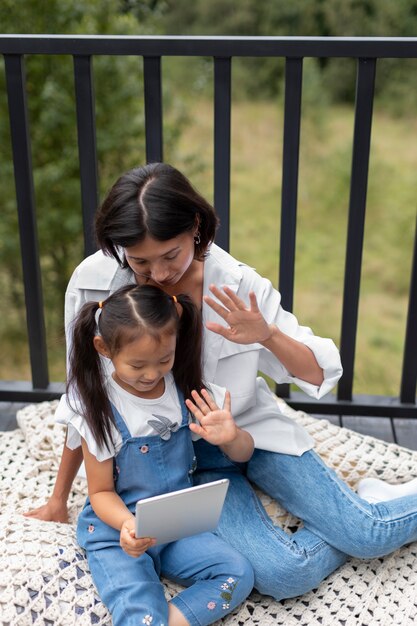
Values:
[(217, 578)]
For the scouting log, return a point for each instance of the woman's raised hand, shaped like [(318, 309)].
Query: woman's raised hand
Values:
[(244, 325), (216, 426)]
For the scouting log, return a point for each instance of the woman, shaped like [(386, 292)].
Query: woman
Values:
[(154, 228)]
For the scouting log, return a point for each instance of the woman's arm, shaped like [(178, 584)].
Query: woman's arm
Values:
[(247, 325), (108, 505), (55, 510), (297, 358), (218, 427)]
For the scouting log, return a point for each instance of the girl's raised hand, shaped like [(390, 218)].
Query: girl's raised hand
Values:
[(244, 324), (132, 545), (216, 426)]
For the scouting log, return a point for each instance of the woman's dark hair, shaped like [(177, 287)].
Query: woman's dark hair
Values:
[(126, 315), (155, 200)]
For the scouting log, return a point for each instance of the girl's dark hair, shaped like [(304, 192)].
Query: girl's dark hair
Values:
[(126, 315), (155, 200)]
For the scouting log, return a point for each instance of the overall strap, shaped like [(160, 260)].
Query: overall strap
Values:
[(120, 424), (184, 410)]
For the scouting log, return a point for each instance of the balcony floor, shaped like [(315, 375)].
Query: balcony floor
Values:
[(401, 431)]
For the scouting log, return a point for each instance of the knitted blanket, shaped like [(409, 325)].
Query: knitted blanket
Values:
[(44, 576)]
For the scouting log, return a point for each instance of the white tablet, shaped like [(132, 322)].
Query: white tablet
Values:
[(182, 513)]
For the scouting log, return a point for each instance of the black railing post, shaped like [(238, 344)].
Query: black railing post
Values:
[(153, 109), (87, 146), (357, 206), (222, 112), (289, 192), (409, 370), (22, 160)]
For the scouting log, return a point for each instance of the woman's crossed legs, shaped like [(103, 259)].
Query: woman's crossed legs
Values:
[(337, 523)]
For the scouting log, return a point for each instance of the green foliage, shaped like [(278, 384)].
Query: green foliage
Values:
[(323, 200), (52, 117), (326, 18)]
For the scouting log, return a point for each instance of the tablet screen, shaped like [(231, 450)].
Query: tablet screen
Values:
[(182, 513)]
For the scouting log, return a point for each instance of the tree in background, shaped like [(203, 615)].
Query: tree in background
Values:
[(51, 104), (325, 18)]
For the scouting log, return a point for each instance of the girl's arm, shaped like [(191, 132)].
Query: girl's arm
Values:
[(108, 505), (218, 427), (247, 325), (55, 510)]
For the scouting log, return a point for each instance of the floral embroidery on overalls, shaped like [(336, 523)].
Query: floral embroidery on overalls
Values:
[(228, 588), (227, 594), (163, 426), (91, 528), (147, 620)]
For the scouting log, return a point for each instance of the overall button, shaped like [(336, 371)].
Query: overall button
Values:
[(144, 449), (193, 466)]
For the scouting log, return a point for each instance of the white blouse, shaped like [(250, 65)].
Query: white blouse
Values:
[(227, 364)]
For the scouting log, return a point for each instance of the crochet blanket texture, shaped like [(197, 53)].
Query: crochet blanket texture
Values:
[(44, 576)]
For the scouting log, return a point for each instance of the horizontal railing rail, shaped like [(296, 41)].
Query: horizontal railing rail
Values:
[(223, 46), (82, 48)]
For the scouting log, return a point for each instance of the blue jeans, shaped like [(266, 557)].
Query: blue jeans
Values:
[(337, 523), (217, 578)]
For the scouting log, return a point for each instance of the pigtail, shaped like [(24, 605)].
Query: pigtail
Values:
[(187, 367), (85, 382)]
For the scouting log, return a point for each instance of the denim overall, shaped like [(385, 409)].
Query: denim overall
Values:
[(217, 577)]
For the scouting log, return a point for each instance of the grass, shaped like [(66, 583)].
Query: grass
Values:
[(325, 161)]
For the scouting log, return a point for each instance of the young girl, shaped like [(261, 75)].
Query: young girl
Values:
[(136, 441)]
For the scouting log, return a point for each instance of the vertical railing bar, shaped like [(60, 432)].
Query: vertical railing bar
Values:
[(409, 369), (394, 434), (153, 109), (222, 118), (87, 146), (356, 223), (22, 160), (289, 193)]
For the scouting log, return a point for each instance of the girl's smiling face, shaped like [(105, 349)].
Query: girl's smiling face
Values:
[(140, 366)]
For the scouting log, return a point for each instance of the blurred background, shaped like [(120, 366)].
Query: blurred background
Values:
[(257, 106)]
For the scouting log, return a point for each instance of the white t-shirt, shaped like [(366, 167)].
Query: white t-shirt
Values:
[(136, 413)]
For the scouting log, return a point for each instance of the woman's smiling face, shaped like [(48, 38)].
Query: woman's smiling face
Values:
[(161, 263)]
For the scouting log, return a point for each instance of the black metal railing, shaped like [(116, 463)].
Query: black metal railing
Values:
[(366, 51)]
